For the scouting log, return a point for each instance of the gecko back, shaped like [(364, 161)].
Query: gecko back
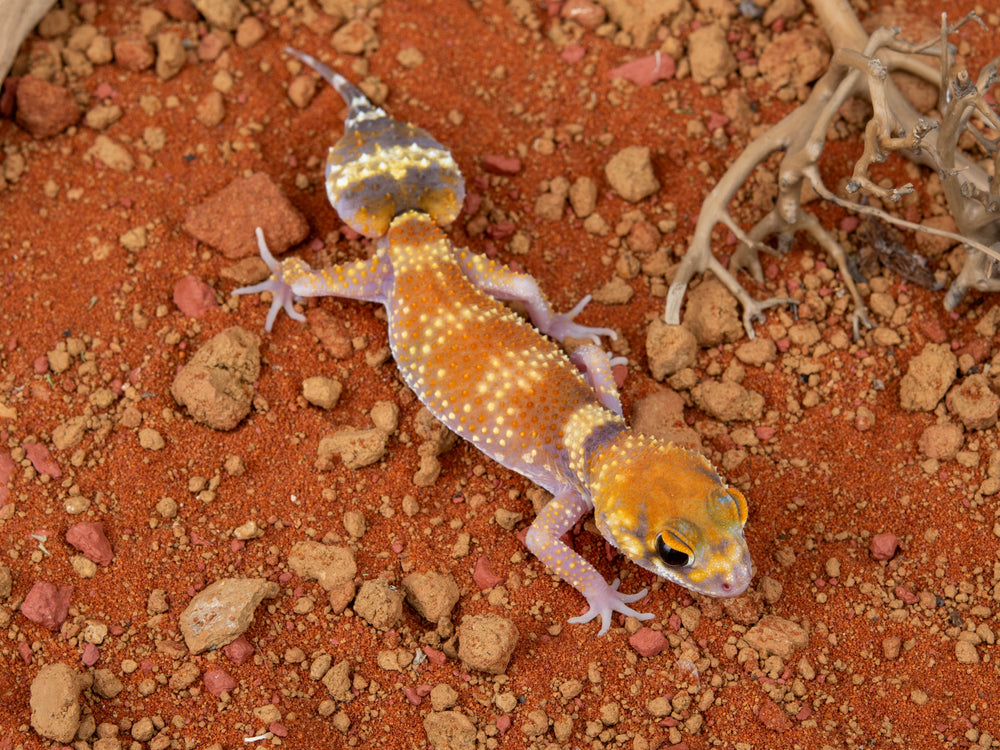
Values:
[(382, 168)]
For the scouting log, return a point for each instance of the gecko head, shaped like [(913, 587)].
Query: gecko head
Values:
[(666, 508)]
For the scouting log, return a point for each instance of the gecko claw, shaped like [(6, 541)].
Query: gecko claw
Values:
[(562, 326), (609, 601), (277, 285)]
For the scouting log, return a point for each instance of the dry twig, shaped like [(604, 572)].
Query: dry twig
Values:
[(860, 68)]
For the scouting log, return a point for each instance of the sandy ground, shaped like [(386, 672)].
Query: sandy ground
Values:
[(874, 528)]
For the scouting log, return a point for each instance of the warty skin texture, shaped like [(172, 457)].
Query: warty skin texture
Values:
[(505, 385)]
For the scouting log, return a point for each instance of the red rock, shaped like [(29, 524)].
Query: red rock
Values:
[(849, 223), (90, 539), (277, 729), (978, 349), (105, 90), (218, 681), (905, 595), (884, 546), (194, 297), (412, 696), (503, 724), (934, 331), (498, 164), (484, 576), (764, 433), (8, 96), (90, 655), (211, 46), (239, 650), (7, 467), (226, 220), (180, 10), (647, 642), (47, 605), (42, 460), (716, 120), (44, 109), (773, 717), (646, 70), (434, 656), (134, 53), (573, 53)]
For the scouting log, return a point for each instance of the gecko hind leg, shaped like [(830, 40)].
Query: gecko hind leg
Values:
[(543, 539), (596, 364)]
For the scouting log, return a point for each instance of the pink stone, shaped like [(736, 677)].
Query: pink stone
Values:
[(194, 297), (501, 230), (90, 654), (647, 642), (483, 575), (105, 90), (849, 223), (472, 203), (884, 546), (90, 539), (239, 650), (573, 53), (277, 729), (716, 120), (503, 724), (218, 681), (7, 467), (499, 164), (764, 433), (412, 696), (619, 373), (646, 71), (42, 460), (47, 605), (434, 656)]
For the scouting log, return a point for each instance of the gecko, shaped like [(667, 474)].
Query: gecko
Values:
[(505, 385)]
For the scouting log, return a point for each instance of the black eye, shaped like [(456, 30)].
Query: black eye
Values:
[(670, 556)]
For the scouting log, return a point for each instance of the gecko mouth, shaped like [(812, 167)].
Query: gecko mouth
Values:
[(732, 582)]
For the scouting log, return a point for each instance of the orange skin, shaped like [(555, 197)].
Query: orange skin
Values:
[(505, 385)]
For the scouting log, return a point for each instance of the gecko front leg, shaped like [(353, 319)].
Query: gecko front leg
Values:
[(556, 518), (293, 278)]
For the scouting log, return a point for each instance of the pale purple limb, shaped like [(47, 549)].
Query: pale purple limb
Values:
[(596, 366), (501, 283), (283, 296), (555, 519)]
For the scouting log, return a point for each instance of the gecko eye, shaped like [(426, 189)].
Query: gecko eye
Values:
[(671, 556)]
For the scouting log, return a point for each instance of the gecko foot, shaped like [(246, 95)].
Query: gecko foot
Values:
[(283, 274), (608, 601), (562, 326)]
